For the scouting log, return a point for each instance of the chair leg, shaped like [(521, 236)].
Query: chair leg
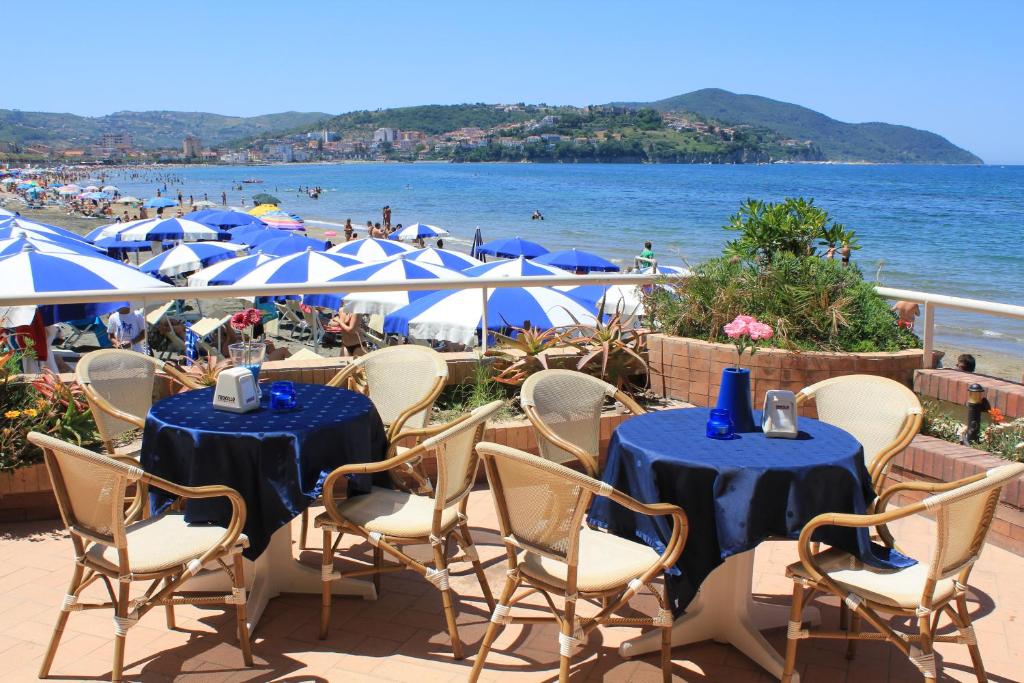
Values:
[(964, 622), (304, 529), (378, 564), (123, 598), (493, 626), (441, 565), (62, 620), (240, 615), (928, 669), (666, 653), (851, 644), (169, 609), (566, 652), (796, 613), (326, 569), (470, 549)]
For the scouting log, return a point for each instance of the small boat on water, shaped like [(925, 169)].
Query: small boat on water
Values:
[(252, 181)]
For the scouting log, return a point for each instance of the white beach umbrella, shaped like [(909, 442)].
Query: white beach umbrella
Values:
[(184, 258), (228, 272), (304, 267), (381, 271), (155, 229), (371, 249), (440, 257), (517, 267)]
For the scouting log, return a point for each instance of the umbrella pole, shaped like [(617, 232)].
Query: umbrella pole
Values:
[(483, 324)]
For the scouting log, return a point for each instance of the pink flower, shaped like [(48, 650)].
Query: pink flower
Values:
[(238, 321), (253, 316), (737, 328), (759, 330), (746, 318)]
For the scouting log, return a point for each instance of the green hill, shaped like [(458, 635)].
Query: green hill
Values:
[(838, 141), (149, 129)]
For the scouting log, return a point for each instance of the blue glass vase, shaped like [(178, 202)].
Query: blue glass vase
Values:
[(734, 396)]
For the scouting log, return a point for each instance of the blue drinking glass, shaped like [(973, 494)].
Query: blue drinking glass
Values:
[(282, 396), (720, 424)]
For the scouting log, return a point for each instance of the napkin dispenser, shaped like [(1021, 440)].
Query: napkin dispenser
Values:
[(236, 391), (778, 419)]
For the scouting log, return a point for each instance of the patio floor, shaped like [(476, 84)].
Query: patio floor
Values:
[(401, 636)]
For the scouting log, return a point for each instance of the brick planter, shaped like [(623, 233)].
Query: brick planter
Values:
[(933, 460), (690, 369), (26, 495)]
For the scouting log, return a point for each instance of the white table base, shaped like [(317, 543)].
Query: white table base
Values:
[(725, 611), (274, 572)]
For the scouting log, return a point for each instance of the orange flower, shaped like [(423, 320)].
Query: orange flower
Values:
[(996, 415)]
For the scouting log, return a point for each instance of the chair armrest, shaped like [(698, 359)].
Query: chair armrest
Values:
[(544, 432), (238, 508), (927, 487), (630, 403), (362, 468), (680, 523), (105, 406), (341, 377)]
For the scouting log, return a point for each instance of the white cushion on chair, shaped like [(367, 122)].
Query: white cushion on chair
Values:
[(392, 513), (901, 588), (605, 561)]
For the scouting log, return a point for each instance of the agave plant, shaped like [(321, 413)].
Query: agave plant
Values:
[(533, 345), (206, 369), (611, 349)]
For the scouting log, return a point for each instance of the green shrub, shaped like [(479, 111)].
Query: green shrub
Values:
[(812, 303)]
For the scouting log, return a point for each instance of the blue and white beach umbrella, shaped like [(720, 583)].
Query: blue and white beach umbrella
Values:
[(678, 271), (16, 243), (222, 218), (184, 258), (32, 272), (306, 267), (228, 272), (418, 231), (8, 233), (180, 229), (511, 248), (575, 261), (96, 195), (381, 271), (159, 203), (517, 267), (457, 315), (28, 226), (624, 299), (290, 243), (370, 249), (440, 257)]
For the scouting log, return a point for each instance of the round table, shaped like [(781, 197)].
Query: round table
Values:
[(276, 460), (736, 493)]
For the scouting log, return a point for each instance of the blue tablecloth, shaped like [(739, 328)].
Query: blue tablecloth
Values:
[(736, 493), (277, 461)]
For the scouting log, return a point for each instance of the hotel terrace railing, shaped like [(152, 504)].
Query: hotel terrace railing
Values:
[(931, 302)]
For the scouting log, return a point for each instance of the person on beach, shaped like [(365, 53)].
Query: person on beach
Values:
[(387, 216), (348, 229), (907, 312), (224, 198), (440, 243), (127, 329), (376, 232), (647, 253), (965, 362)]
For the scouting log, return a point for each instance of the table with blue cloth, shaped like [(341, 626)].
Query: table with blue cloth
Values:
[(736, 493), (276, 460)]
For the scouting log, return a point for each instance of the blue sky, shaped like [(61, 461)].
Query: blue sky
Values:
[(955, 68)]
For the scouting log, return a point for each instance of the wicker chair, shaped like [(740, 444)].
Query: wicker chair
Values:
[(389, 518), (963, 510), (565, 408), (119, 387), (541, 506), (403, 382), (113, 547), (881, 413)]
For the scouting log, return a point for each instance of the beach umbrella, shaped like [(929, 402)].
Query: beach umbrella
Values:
[(4, 213), (154, 229), (32, 272), (184, 258), (440, 257), (418, 231), (128, 200), (159, 203), (34, 191), (222, 218), (382, 271), (204, 204), (512, 248), (518, 267), (264, 198), (109, 188), (229, 271), (458, 315), (95, 195), (28, 226), (576, 261), (626, 299), (371, 249), (68, 190), (16, 242), (261, 209), (259, 236), (306, 267), (290, 243), (666, 270), (282, 220), (91, 188), (114, 246), (109, 230)]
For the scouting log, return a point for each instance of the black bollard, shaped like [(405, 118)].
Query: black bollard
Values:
[(975, 405)]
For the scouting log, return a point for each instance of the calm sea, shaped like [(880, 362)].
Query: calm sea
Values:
[(955, 230)]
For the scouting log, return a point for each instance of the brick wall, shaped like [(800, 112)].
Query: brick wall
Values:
[(690, 369), (951, 385)]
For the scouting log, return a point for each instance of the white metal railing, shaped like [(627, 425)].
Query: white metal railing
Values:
[(930, 301)]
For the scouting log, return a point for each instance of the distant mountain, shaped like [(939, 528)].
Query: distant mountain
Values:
[(149, 129), (838, 141)]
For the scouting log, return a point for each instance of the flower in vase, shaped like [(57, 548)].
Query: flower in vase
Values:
[(745, 331)]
